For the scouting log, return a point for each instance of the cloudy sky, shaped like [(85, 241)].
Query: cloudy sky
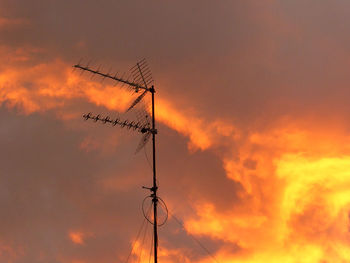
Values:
[(252, 108)]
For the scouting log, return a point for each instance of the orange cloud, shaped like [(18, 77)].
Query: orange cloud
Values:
[(6, 22), (295, 200), (47, 86), (76, 237), (141, 253), (202, 133), (10, 253), (294, 197)]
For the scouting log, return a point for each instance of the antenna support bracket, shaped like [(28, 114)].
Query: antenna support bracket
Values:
[(152, 90), (153, 131), (152, 189)]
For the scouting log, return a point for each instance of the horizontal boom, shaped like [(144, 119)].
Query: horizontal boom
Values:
[(106, 75), (128, 124)]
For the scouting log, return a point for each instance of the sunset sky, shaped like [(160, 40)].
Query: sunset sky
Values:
[(253, 144)]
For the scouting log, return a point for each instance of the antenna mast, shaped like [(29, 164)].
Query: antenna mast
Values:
[(142, 80), (155, 187)]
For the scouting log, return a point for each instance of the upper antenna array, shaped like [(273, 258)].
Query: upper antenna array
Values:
[(141, 74)]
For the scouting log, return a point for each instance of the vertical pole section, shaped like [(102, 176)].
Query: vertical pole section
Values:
[(155, 188)]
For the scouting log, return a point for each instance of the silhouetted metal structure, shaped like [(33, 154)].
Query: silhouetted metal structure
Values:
[(141, 81)]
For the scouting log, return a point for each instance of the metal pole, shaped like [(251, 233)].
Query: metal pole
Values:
[(155, 188)]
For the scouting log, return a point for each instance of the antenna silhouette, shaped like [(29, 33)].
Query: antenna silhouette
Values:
[(142, 80), (136, 126)]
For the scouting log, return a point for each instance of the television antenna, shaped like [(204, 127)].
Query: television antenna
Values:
[(141, 81)]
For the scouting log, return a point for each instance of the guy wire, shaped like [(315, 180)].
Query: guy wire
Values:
[(150, 252), (138, 234), (148, 161), (137, 237), (144, 235), (195, 239), (143, 241)]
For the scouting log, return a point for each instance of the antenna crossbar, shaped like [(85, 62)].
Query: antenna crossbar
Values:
[(133, 85), (122, 123)]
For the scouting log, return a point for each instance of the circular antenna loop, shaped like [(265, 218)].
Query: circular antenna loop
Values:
[(162, 204)]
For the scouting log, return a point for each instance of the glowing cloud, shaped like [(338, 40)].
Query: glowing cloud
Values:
[(76, 237), (295, 201)]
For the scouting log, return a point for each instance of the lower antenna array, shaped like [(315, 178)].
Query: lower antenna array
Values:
[(128, 124)]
